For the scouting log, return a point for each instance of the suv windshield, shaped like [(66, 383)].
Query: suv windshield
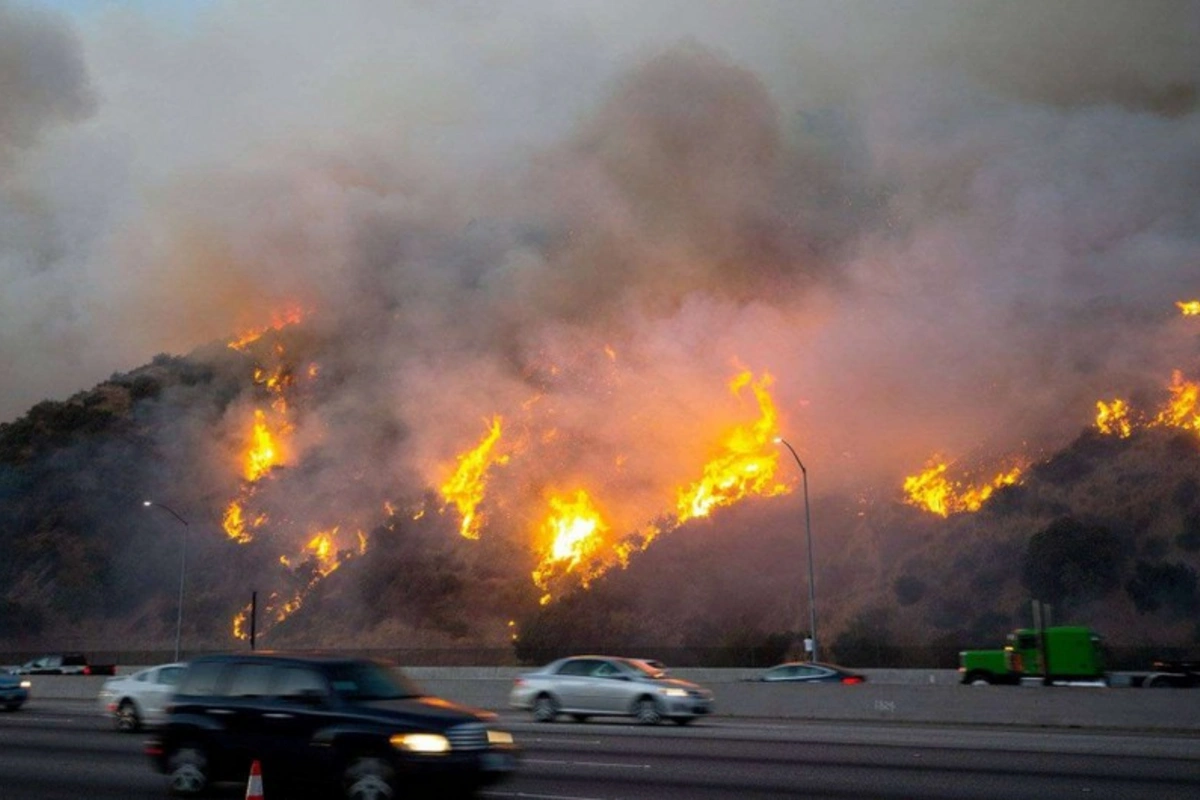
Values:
[(365, 680)]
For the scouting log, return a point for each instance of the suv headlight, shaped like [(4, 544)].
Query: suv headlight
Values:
[(675, 692), (499, 738), (420, 742)]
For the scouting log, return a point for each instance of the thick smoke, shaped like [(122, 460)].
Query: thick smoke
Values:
[(941, 226)]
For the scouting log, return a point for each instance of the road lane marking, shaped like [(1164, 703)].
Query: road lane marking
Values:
[(583, 763)]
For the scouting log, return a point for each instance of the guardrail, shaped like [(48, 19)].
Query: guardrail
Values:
[(923, 696)]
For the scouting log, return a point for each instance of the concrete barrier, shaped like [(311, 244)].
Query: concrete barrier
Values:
[(889, 695)]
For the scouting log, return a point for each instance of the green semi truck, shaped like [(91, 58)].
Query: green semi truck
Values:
[(1064, 654)]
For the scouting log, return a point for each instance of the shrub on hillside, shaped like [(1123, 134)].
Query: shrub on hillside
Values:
[(1070, 563)]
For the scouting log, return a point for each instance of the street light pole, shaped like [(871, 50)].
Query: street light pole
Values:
[(182, 571), (812, 591)]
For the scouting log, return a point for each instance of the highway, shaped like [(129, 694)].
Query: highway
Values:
[(64, 749)]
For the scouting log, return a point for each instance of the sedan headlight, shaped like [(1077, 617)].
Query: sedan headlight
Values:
[(675, 692), (26, 684), (421, 742)]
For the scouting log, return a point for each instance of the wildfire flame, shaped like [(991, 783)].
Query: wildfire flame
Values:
[(289, 316), (1189, 308), (1182, 410), (574, 531), (465, 488), (575, 534), (1113, 418), (933, 491), (264, 453), (747, 465), (318, 558)]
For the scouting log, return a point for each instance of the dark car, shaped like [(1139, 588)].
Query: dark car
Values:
[(357, 727), (810, 672), (14, 691)]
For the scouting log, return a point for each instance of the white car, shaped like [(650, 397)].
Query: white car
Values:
[(139, 700), (596, 686)]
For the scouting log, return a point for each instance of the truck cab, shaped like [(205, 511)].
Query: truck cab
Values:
[(1065, 653)]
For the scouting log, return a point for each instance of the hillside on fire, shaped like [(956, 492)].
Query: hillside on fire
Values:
[(495, 331), (1107, 529)]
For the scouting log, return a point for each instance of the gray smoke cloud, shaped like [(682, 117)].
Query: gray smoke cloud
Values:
[(940, 226)]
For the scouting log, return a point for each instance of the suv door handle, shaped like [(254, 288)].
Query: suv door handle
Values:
[(278, 715), (224, 712)]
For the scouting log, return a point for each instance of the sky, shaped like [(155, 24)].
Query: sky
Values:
[(938, 226)]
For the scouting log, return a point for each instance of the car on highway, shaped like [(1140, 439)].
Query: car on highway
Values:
[(594, 686), (14, 691), (810, 672), (139, 700), (357, 728)]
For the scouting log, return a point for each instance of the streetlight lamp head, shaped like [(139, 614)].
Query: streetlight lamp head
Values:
[(147, 502)]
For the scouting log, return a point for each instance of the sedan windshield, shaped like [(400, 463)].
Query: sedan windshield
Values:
[(366, 680)]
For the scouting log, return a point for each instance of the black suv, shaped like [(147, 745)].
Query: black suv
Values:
[(354, 726)]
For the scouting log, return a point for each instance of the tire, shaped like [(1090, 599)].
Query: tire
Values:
[(12, 706), (681, 721), (1158, 682), (368, 778), (545, 709), (646, 711), (188, 771), (127, 718), (580, 717), (977, 679)]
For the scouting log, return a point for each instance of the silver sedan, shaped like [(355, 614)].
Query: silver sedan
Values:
[(594, 686)]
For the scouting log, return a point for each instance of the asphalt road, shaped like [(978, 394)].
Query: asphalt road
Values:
[(64, 749)]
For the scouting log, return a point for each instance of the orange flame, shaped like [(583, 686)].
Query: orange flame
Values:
[(934, 492), (264, 453), (465, 489), (1182, 409), (574, 531), (747, 465), (1113, 418), (234, 523), (289, 316), (1189, 308), (319, 557)]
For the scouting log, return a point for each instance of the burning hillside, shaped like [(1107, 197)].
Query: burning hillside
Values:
[(489, 331)]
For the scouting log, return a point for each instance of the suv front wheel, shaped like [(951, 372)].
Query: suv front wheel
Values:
[(188, 770), (368, 778)]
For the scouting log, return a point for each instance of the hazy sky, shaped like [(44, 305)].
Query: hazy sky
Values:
[(942, 226)]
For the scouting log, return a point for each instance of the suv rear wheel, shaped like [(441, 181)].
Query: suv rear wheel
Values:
[(188, 770), (368, 778)]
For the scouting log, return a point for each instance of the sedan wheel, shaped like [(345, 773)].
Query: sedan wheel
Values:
[(646, 711), (188, 771), (128, 720), (369, 779), (544, 708)]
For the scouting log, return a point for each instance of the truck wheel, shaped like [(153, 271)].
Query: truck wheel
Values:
[(977, 679)]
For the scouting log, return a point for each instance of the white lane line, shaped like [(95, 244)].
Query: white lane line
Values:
[(583, 763), (539, 796)]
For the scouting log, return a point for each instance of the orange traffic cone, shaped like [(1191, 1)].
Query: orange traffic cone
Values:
[(254, 785)]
